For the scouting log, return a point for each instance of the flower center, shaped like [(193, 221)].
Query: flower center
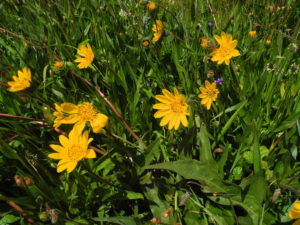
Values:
[(86, 111), (224, 51), (178, 105), (76, 152), (211, 93)]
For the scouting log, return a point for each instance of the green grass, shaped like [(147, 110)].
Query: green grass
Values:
[(224, 168)]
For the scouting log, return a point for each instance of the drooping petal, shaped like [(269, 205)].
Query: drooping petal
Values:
[(69, 107), (55, 156), (99, 122)]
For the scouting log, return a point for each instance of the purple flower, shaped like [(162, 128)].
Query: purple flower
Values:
[(210, 24), (219, 81)]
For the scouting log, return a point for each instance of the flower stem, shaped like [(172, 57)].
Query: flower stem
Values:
[(235, 81), (113, 108)]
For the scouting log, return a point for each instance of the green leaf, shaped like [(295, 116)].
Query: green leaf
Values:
[(204, 172)]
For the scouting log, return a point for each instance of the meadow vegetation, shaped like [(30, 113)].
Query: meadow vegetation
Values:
[(135, 112)]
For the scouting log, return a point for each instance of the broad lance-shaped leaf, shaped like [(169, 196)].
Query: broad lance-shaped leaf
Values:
[(203, 172)]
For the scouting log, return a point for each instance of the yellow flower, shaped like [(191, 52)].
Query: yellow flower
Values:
[(68, 113), (208, 94), (58, 64), (21, 81), (172, 108), (226, 50), (146, 43), (151, 6), (72, 150), (268, 42), (204, 42), (158, 30), (87, 56), (295, 211), (252, 33)]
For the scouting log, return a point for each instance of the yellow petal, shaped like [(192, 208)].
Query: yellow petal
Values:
[(55, 156), (91, 154), (177, 123), (172, 122), (64, 141), (57, 148), (69, 108), (162, 99), (165, 119), (78, 128), (161, 113), (161, 106), (168, 94), (62, 167), (99, 122), (183, 120), (71, 166)]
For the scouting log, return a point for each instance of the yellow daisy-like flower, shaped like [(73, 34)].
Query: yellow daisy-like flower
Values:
[(58, 64), (172, 108), (294, 213), (72, 150), (204, 42), (87, 56), (158, 30), (20, 82), (209, 93), (151, 6), (68, 113), (252, 33), (226, 50), (268, 42)]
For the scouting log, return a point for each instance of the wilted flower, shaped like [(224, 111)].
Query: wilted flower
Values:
[(172, 108), (209, 93), (58, 64), (20, 82), (226, 50), (87, 56), (270, 67), (294, 68), (204, 42)]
